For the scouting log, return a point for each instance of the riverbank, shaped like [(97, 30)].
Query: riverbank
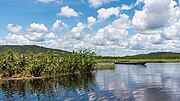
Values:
[(34, 78), (97, 67), (139, 60), (105, 67)]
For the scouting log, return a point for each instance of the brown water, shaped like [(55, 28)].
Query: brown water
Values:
[(153, 82)]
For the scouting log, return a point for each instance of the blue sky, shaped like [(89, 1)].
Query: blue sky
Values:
[(108, 27)]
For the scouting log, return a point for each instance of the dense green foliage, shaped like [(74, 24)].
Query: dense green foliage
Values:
[(13, 64), (29, 48)]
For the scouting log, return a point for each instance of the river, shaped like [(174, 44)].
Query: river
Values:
[(153, 82)]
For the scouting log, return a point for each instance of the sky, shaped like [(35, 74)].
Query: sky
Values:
[(108, 27)]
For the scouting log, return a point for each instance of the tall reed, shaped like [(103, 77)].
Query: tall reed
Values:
[(13, 64)]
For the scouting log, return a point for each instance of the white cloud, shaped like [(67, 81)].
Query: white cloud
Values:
[(51, 36), (15, 39), (35, 32), (157, 39), (115, 34), (126, 7), (48, 1), (77, 32), (110, 35), (104, 14), (58, 26), (91, 21), (154, 15), (138, 2), (97, 3), (173, 31), (157, 25), (36, 27), (123, 22), (35, 36), (14, 29), (146, 42), (66, 11), (80, 26)]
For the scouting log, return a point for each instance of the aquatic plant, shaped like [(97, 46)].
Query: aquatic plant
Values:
[(12, 63), (45, 64)]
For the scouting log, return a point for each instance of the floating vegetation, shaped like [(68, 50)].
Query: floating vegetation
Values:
[(17, 65), (106, 66)]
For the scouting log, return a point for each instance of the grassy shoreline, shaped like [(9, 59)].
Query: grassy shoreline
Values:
[(105, 67), (33, 78), (139, 60), (97, 67)]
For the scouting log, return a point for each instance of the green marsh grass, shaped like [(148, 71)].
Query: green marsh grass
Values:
[(13, 64), (105, 67)]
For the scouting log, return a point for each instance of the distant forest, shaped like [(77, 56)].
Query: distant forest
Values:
[(37, 49), (154, 55), (29, 48)]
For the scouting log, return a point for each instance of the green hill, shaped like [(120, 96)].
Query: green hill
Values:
[(156, 55), (153, 55), (37, 49), (29, 48)]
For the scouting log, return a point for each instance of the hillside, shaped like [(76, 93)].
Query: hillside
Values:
[(29, 48), (154, 55), (36, 49)]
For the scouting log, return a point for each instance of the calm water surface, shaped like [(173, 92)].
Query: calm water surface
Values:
[(153, 82)]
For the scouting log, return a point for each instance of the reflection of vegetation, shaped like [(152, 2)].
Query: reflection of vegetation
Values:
[(48, 87), (13, 64)]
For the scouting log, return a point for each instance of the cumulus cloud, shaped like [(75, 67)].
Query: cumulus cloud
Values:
[(122, 22), (104, 14), (110, 35), (77, 32), (14, 29), (35, 36), (97, 3), (173, 31), (146, 42), (139, 2), (35, 32), (156, 28), (36, 27), (51, 36), (48, 1), (91, 21), (154, 15), (126, 7), (66, 11), (58, 26), (115, 34), (15, 39)]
